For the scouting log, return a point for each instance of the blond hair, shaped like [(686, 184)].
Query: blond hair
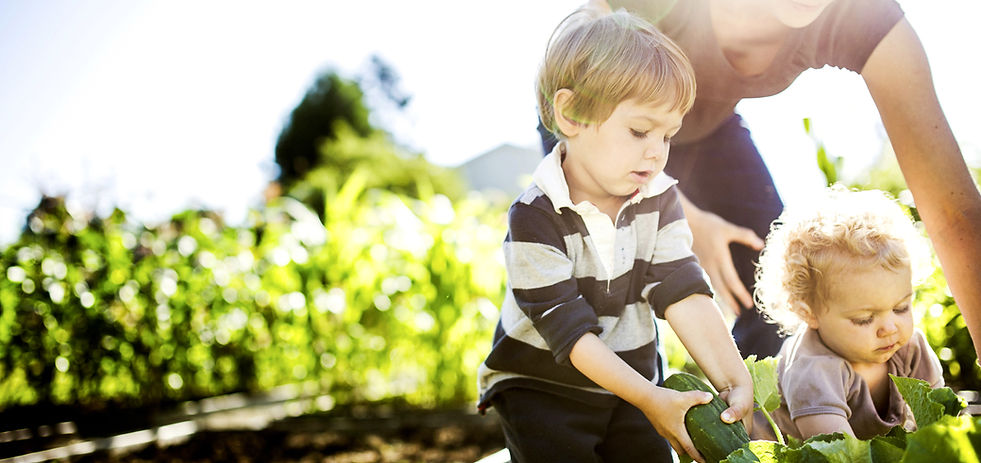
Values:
[(607, 58), (842, 230)]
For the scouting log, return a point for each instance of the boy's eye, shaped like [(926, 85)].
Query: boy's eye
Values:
[(903, 309), (638, 133)]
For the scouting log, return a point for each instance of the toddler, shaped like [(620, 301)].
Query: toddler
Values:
[(838, 275)]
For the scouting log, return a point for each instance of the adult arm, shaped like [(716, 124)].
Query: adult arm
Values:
[(712, 236), (898, 77)]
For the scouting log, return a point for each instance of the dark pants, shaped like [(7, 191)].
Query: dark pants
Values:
[(725, 174), (543, 427)]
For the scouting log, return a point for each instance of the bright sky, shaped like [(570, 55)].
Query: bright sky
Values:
[(159, 106)]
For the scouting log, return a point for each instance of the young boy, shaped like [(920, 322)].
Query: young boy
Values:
[(841, 269), (595, 245)]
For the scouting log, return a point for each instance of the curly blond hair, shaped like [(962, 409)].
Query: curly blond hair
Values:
[(606, 58), (844, 228)]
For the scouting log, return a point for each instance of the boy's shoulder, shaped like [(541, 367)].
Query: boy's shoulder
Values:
[(532, 196)]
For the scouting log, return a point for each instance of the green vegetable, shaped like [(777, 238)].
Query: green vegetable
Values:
[(714, 438)]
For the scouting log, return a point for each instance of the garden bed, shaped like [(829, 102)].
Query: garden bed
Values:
[(244, 434)]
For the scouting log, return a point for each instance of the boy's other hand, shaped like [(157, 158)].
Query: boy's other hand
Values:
[(666, 411), (740, 400)]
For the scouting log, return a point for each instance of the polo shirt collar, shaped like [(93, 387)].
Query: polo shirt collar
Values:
[(550, 178)]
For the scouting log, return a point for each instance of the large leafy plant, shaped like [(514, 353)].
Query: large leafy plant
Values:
[(942, 434)]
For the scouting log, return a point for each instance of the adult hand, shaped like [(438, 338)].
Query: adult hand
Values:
[(712, 236), (666, 412)]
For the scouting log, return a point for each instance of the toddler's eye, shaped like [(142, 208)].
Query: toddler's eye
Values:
[(638, 133), (863, 321), (905, 308)]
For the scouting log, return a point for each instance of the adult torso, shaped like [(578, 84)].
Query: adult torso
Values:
[(843, 36)]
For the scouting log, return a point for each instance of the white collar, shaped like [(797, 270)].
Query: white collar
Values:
[(550, 178)]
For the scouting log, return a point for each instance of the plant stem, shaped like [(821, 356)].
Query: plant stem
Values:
[(776, 430)]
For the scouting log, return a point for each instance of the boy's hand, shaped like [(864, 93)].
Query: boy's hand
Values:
[(666, 411), (740, 400)]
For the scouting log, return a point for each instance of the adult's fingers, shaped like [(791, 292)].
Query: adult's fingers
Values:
[(721, 288), (747, 237), (734, 284)]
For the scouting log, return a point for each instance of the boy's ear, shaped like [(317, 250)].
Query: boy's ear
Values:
[(805, 313), (560, 106)]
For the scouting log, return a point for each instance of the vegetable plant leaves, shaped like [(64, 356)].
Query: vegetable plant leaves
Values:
[(765, 389), (941, 436), (927, 404)]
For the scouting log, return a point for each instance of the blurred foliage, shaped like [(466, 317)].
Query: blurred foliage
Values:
[(329, 134), (391, 298), (374, 278), (409, 176), (330, 101), (938, 315), (829, 164)]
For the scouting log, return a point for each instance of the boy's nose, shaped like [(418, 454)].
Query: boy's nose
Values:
[(656, 151)]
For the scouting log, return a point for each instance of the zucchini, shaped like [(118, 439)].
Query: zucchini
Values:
[(714, 438)]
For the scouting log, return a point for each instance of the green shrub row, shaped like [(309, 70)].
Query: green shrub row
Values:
[(389, 298)]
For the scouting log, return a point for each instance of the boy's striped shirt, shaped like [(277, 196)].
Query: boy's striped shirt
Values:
[(572, 271)]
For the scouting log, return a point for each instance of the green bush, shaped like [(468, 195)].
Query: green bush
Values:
[(391, 298)]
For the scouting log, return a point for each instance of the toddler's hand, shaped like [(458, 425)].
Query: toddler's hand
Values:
[(667, 413)]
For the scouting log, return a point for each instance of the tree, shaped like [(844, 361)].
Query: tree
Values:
[(329, 135), (331, 100)]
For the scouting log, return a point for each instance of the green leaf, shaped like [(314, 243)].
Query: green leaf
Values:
[(895, 437), (885, 450), (765, 390), (744, 455), (794, 442), (844, 449), (928, 405), (773, 452), (953, 404), (950, 438)]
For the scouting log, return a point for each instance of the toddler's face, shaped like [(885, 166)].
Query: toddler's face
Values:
[(868, 315), (615, 157)]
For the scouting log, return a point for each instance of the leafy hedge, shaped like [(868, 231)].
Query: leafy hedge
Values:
[(390, 298)]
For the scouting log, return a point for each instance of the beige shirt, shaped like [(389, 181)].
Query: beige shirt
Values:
[(814, 380), (843, 36)]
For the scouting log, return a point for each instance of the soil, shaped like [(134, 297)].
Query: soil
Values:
[(422, 436)]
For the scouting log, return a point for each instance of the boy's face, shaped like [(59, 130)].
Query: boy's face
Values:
[(868, 315), (614, 158)]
